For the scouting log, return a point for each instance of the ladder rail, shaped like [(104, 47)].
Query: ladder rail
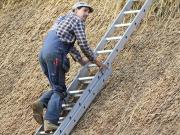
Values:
[(84, 70), (120, 45), (77, 108), (80, 100), (111, 29), (39, 129), (73, 119)]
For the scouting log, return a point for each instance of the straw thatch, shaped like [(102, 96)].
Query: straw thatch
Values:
[(141, 97)]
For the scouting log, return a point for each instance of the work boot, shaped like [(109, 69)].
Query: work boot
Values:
[(37, 108), (49, 127)]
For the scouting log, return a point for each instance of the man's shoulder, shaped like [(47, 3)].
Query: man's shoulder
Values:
[(75, 18), (60, 18)]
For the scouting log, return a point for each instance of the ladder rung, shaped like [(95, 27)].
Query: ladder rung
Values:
[(87, 82), (122, 25), (67, 108), (104, 51), (85, 78), (92, 65), (131, 11), (113, 38), (75, 91), (76, 95), (59, 122), (43, 133), (61, 118), (67, 105)]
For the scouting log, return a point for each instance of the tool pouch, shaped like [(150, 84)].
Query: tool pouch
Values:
[(66, 64)]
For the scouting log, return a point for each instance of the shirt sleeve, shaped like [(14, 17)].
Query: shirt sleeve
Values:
[(79, 31), (75, 54)]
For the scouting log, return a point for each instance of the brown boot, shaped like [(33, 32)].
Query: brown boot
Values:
[(37, 108), (49, 127)]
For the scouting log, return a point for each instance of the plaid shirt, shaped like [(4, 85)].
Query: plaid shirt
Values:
[(71, 28)]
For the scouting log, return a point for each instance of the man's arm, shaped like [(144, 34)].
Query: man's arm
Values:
[(82, 41), (75, 54)]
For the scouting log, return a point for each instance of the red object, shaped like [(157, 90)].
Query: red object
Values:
[(56, 61)]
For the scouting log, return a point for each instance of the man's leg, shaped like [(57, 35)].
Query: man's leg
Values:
[(57, 77), (41, 103), (44, 66), (47, 95)]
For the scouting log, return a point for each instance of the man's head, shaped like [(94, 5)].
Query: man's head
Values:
[(82, 10)]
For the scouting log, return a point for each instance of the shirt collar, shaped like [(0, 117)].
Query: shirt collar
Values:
[(72, 13)]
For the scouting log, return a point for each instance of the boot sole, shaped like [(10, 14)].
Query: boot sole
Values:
[(38, 113)]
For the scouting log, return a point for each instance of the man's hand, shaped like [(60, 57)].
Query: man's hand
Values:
[(83, 62), (100, 65)]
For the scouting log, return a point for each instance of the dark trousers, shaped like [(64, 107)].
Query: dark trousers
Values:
[(50, 58)]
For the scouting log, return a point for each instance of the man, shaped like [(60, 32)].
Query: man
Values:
[(57, 44)]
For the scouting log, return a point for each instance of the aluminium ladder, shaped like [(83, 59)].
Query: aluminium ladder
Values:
[(94, 84)]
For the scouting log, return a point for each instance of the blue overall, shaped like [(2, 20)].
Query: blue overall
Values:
[(51, 57)]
